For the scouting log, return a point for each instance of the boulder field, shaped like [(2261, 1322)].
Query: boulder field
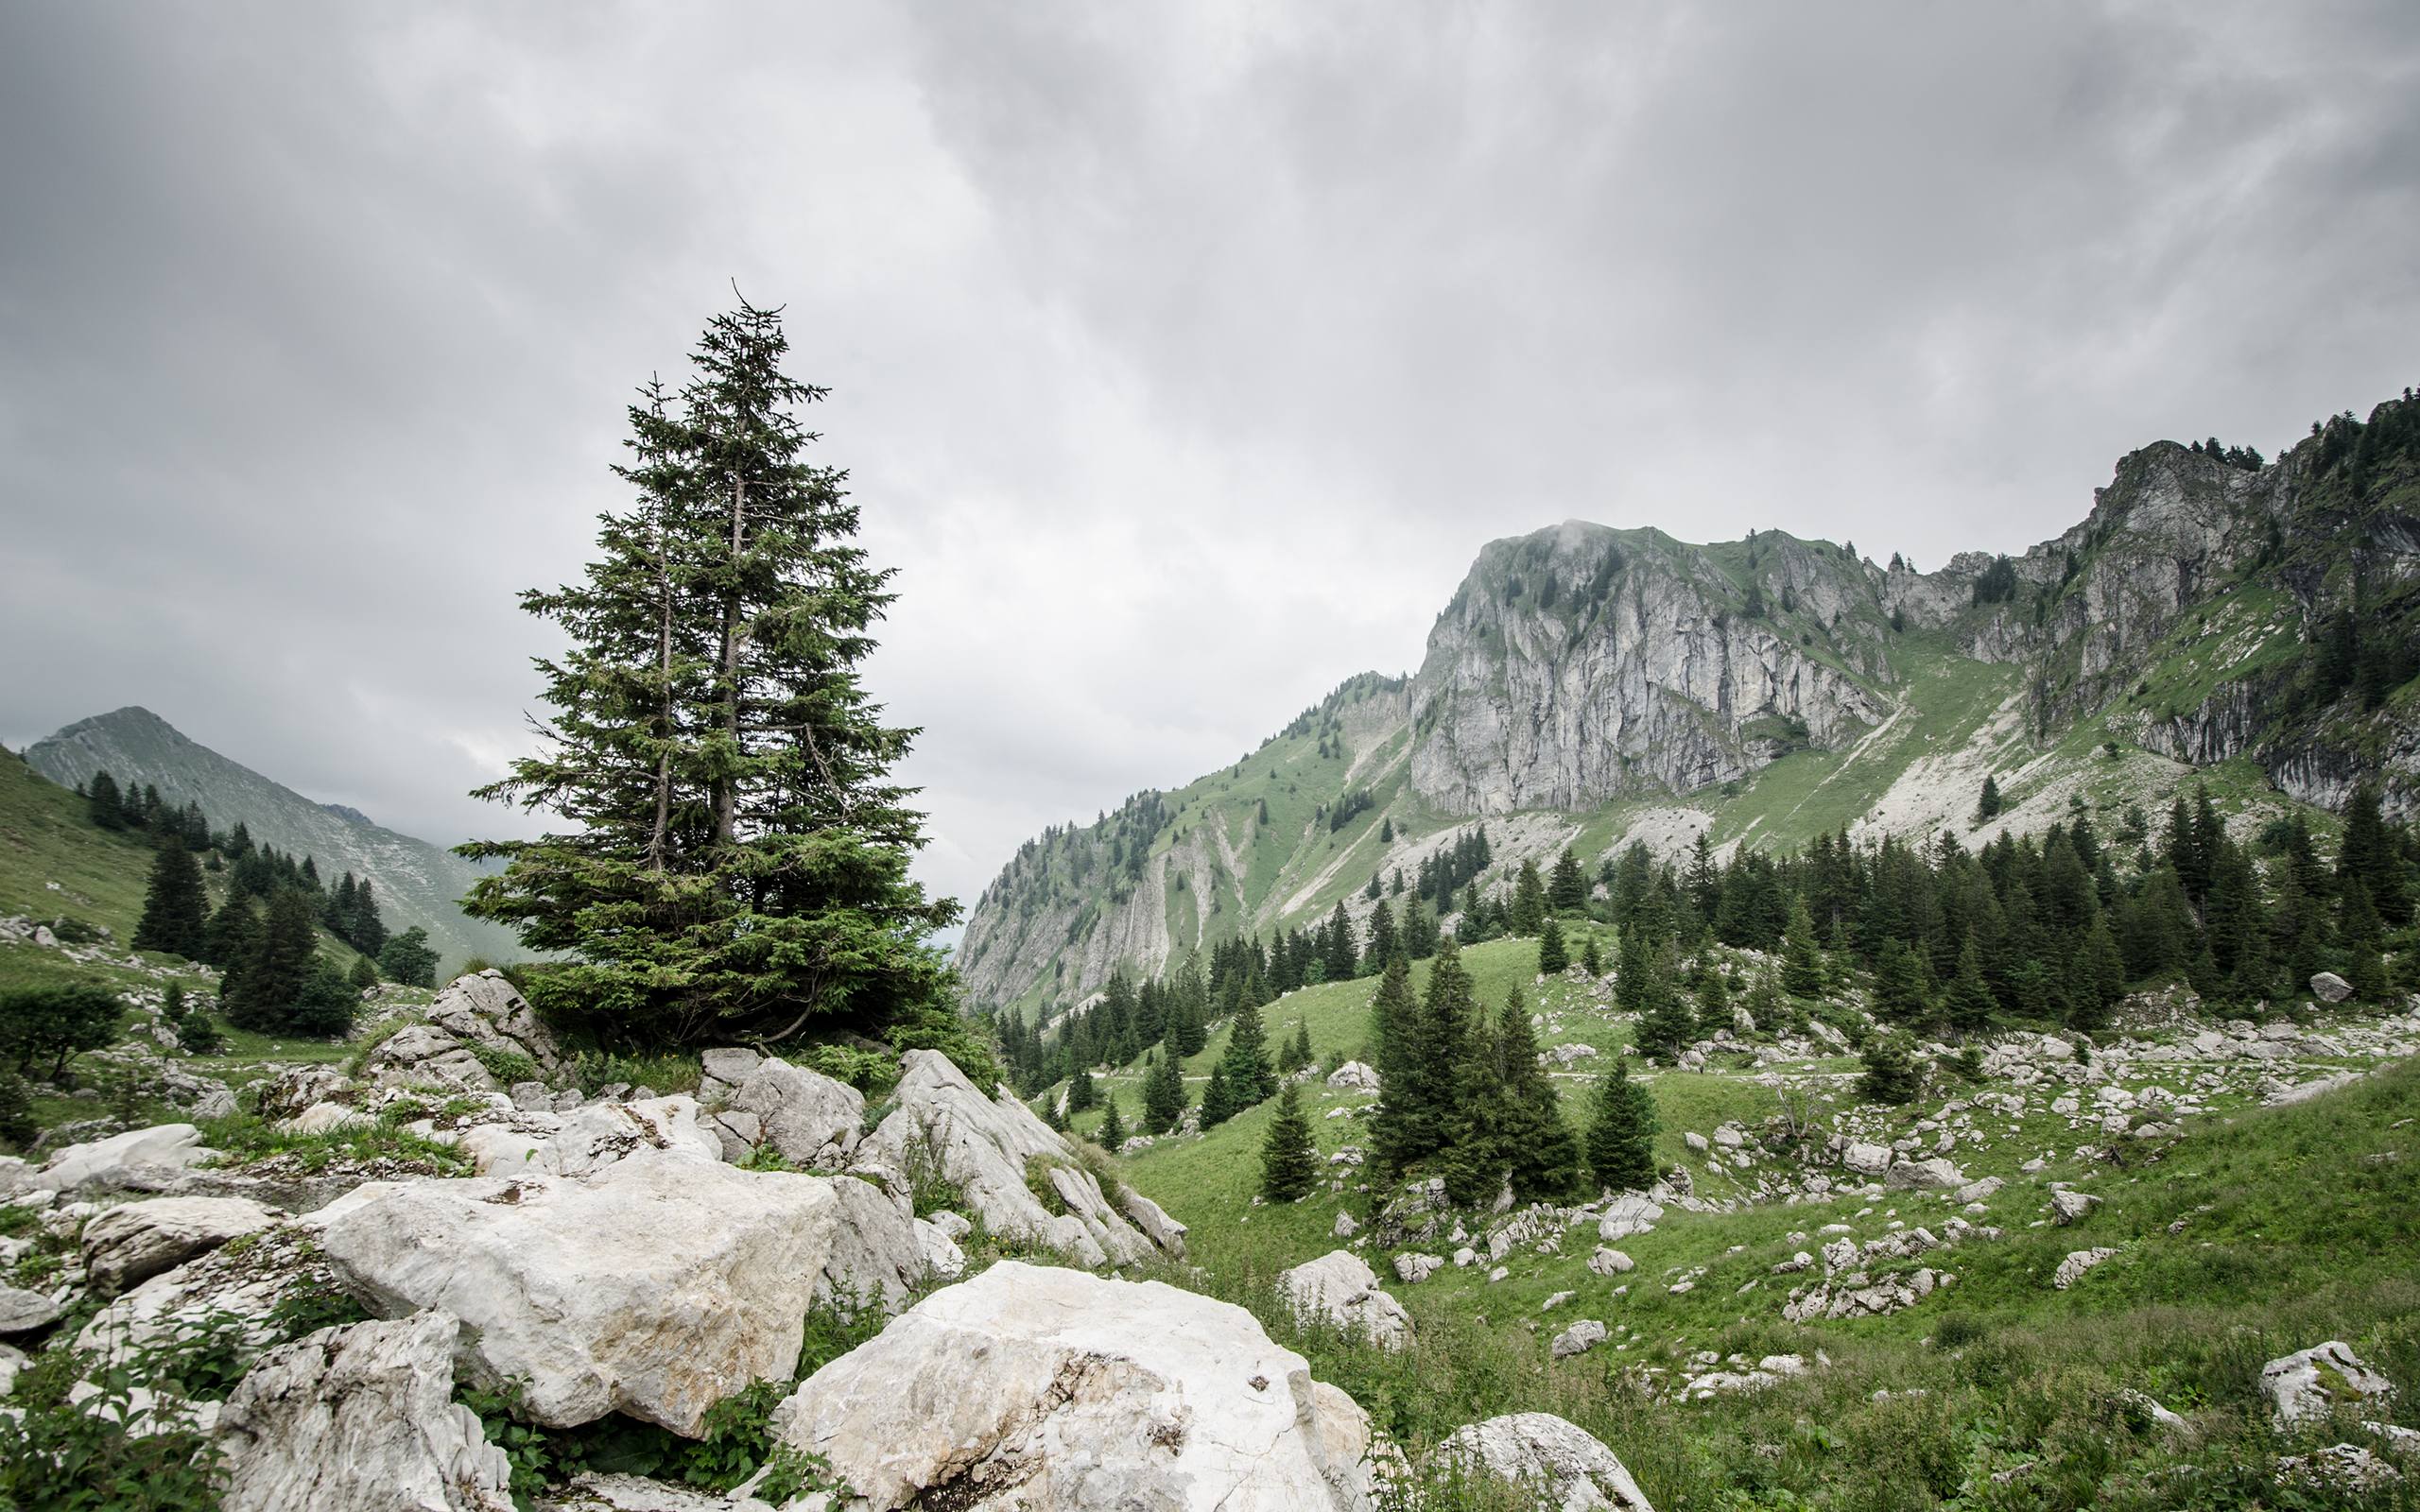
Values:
[(647, 1256)]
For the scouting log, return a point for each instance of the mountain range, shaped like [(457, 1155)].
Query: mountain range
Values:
[(2251, 626), (416, 883)]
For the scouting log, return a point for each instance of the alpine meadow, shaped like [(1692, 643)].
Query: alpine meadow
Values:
[(1747, 1024)]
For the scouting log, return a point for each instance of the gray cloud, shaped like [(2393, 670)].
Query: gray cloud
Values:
[(1182, 356)]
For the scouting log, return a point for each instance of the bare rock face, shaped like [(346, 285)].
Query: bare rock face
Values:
[(655, 1288), (1034, 1386), (811, 1119), (995, 1151), (1339, 1289), (299, 1087), (127, 1245), (2307, 1386), (360, 1419), (589, 1137), (1537, 1450)]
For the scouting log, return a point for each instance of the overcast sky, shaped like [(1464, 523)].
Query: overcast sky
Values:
[(1183, 358)]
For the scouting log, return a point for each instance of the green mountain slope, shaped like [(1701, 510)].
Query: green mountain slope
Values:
[(2257, 630), (417, 882)]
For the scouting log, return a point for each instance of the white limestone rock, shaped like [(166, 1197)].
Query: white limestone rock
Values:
[(360, 1419), (2079, 1260), (126, 1162), (2330, 987), (2307, 1386), (655, 1287), (1578, 1339), (811, 1119), (1033, 1387), (1354, 1077), (1412, 1269), (1573, 1470), (127, 1245), (1339, 1289)]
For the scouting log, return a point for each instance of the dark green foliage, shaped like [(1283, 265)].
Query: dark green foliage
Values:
[(1553, 956), (1083, 1093), (1162, 1095), (102, 802), (735, 859), (1989, 804), (175, 909), (1621, 1132), (1590, 961), (1901, 994), (1218, 1103), (407, 959), (1801, 967), (265, 985), (1665, 1025), (1112, 1125), (1567, 890), (1289, 1160), (1250, 1077), (1528, 901), (17, 1125), (1969, 1005), (1996, 584), (1891, 1074), (364, 974), (41, 1028), (1417, 1113), (1541, 1152)]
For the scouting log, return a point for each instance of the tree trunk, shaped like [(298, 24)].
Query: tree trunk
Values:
[(727, 787)]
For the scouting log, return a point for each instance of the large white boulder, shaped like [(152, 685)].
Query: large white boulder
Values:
[(2308, 1385), (476, 1021), (1354, 1077), (655, 1287), (811, 1119), (127, 1245), (995, 1151), (240, 1284), (137, 1156), (2330, 987), (1034, 1386), (588, 1138), (1341, 1290), (1557, 1459), (360, 1419)]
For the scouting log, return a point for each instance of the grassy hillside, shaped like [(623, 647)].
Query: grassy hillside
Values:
[(54, 861)]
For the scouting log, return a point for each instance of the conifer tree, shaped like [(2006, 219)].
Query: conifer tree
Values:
[(1899, 989), (1802, 969), (1528, 901), (325, 1006), (1665, 1025), (1476, 1155), (1553, 956), (1386, 940), (1621, 1133), (1250, 1078), (1083, 1093), (1890, 1075), (1300, 1052), (1336, 947), (265, 988), (1218, 1103), (1634, 974), (228, 939), (407, 959), (1164, 1096), (1112, 1125), (1988, 806), (102, 802), (1289, 1160), (1540, 1149), (1714, 1002), (363, 976), (175, 909), (737, 855), (1416, 1113), (1969, 1005), (1568, 889), (1590, 961)]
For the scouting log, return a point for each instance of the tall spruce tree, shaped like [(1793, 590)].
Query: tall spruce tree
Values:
[(1621, 1133), (1217, 1102), (1163, 1095), (1567, 888), (736, 861), (1554, 956), (1113, 1123), (176, 912), (1416, 1109), (1802, 968), (268, 983), (1289, 1160), (1250, 1077), (1540, 1149)]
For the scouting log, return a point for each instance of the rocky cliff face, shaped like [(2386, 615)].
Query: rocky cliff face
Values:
[(1582, 664)]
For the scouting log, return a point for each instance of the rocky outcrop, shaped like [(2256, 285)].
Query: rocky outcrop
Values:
[(997, 1153), (811, 1119), (480, 1036), (138, 1159), (1557, 1459), (655, 1287), (1341, 1291), (127, 1245), (2308, 1385), (1032, 1386), (589, 1137), (360, 1419)]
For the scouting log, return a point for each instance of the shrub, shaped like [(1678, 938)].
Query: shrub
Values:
[(48, 1026)]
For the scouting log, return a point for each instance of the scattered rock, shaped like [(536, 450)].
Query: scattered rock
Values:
[(127, 1245), (1344, 1226), (1534, 1449), (2330, 987), (1354, 1077), (2079, 1260), (1339, 1289), (1578, 1339), (2068, 1206), (1412, 1269), (1867, 1159), (1610, 1261), (360, 1419), (23, 1311), (1036, 1386), (127, 1162), (811, 1119), (1932, 1175), (2308, 1385)]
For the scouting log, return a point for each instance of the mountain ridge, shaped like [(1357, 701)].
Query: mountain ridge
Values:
[(1593, 686), (417, 882)]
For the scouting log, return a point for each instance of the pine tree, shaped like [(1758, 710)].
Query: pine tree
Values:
[(1218, 1103), (1164, 1096), (1300, 1052), (175, 909), (1988, 806), (1969, 1005), (2101, 980), (1477, 1154), (1802, 968), (1714, 1002), (1543, 1155), (1591, 962), (265, 988), (1250, 1078), (1289, 1161), (1112, 1125), (1899, 991), (736, 857), (1568, 889), (1666, 1025), (1528, 901), (1890, 1075), (1083, 1093), (364, 974), (1416, 1115), (102, 802), (1621, 1133), (326, 1005), (1553, 958)]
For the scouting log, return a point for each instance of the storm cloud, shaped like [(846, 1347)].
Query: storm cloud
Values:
[(1182, 356)]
